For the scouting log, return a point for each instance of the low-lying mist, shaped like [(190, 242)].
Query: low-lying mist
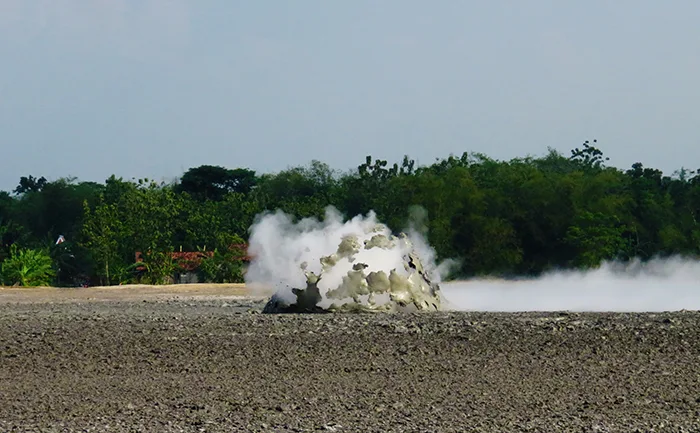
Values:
[(669, 284)]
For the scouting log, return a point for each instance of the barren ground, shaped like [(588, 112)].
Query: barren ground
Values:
[(202, 358)]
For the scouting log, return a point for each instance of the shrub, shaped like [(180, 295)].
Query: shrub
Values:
[(221, 268), (27, 268), (159, 267), (226, 264)]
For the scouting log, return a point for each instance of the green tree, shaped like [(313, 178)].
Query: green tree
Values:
[(30, 184), (300, 191), (590, 157), (597, 237), (522, 216), (103, 231), (55, 209), (209, 182), (11, 230), (150, 213)]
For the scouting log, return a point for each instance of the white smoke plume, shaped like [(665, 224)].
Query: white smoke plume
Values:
[(417, 232), (282, 249), (669, 284)]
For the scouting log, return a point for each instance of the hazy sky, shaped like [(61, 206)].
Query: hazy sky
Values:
[(144, 88)]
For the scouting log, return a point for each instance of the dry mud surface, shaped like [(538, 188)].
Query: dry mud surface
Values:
[(213, 363)]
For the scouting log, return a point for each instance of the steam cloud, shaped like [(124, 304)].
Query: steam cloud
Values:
[(670, 284)]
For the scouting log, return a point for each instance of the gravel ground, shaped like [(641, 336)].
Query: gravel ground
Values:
[(211, 364)]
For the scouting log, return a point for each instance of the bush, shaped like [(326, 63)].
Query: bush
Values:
[(221, 268), (159, 267), (27, 268), (226, 264)]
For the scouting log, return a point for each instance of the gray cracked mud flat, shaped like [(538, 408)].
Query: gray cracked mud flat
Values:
[(213, 365)]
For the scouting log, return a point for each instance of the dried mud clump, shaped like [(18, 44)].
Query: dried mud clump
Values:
[(365, 287)]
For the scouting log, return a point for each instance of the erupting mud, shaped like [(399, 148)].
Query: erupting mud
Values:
[(402, 288), (333, 266)]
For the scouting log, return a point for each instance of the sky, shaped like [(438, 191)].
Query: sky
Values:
[(150, 88)]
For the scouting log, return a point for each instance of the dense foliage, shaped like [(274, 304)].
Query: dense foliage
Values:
[(27, 268), (523, 216)]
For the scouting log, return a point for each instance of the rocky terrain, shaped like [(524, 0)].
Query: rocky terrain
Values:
[(213, 364)]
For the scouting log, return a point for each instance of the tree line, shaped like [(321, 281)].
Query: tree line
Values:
[(523, 216)]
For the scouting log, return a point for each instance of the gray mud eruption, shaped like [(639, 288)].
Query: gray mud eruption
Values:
[(331, 266), (364, 291)]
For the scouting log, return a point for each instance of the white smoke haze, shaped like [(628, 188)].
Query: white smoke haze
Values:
[(669, 284), (417, 232), (280, 247)]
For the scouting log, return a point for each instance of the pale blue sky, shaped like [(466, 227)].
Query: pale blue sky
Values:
[(144, 88)]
